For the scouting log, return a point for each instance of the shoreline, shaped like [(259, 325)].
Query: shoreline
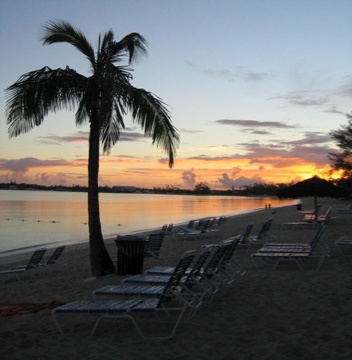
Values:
[(50, 220), (14, 255), (290, 313)]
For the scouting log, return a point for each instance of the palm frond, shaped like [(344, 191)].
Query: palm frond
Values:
[(154, 118), (36, 93), (62, 31), (133, 46)]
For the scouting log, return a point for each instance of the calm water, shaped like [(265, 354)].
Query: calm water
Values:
[(35, 218)]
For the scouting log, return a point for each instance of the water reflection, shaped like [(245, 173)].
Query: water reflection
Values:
[(29, 218)]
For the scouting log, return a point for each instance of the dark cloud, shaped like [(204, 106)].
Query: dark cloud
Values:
[(254, 123), (132, 136), (259, 132), (83, 136), (310, 138), (23, 165), (333, 110)]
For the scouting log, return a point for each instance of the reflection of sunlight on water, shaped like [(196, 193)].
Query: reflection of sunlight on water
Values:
[(34, 218)]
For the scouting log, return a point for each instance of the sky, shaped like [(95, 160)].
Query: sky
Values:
[(254, 87)]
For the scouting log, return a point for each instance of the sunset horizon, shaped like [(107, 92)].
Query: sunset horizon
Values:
[(253, 88)]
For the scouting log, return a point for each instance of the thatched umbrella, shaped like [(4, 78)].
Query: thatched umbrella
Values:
[(315, 187)]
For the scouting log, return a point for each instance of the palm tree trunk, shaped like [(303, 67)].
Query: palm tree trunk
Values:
[(101, 263)]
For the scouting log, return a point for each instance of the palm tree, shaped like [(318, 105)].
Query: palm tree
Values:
[(102, 99)]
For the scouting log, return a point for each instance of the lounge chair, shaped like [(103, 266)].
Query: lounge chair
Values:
[(325, 217), (153, 248), (218, 270), (169, 229), (53, 259), (201, 230), (345, 210), (345, 243), (168, 270), (298, 256), (188, 227), (208, 274), (157, 290), (297, 247), (172, 300), (309, 220), (292, 225), (33, 263)]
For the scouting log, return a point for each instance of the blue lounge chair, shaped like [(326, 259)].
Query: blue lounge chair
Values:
[(172, 300), (345, 244), (263, 232), (157, 290), (153, 248), (297, 247), (299, 256), (345, 210)]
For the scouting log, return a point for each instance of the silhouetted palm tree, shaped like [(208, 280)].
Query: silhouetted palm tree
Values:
[(101, 99)]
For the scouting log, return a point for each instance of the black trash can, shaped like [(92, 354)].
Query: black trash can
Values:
[(130, 254)]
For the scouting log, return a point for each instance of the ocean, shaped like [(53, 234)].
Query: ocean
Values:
[(29, 219)]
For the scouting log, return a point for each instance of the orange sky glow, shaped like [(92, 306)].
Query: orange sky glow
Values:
[(253, 87)]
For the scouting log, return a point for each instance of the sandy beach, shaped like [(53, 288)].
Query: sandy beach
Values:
[(276, 315)]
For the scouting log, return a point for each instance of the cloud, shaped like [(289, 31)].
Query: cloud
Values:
[(252, 76), (259, 132), (189, 177), (254, 123), (23, 165), (80, 136), (192, 131), (221, 74), (239, 73), (228, 182), (333, 110), (302, 98), (345, 90), (59, 178), (83, 136), (310, 138)]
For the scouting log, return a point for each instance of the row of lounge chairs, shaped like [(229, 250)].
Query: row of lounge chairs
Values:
[(161, 291), (35, 263), (199, 228)]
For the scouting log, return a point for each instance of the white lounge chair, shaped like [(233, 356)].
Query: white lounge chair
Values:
[(33, 263), (345, 210), (299, 256), (172, 300)]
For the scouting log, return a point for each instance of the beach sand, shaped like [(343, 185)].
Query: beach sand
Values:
[(283, 314)]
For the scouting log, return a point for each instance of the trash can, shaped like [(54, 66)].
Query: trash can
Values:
[(130, 254), (299, 207)]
